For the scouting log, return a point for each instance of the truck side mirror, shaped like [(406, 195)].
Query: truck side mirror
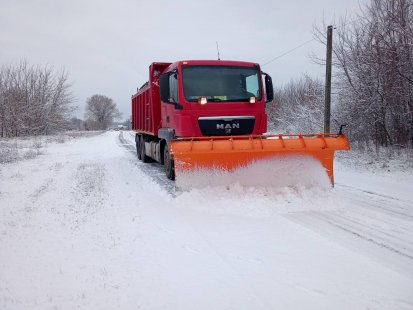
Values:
[(269, 90), (164, 87)]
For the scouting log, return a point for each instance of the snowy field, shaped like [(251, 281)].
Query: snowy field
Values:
[(85, 225)]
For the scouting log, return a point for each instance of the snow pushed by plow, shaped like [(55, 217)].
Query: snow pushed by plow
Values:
[(262, 189), (275, 173)]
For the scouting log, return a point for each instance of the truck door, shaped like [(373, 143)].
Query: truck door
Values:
[(169, 99)]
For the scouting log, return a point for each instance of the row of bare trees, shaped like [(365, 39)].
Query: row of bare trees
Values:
[(373, 79), (297, 106), (33, 100), (374, 60)]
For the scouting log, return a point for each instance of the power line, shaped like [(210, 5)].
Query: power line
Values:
[(306, 42), (291, 50)]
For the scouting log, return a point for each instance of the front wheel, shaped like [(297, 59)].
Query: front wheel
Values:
[(169, 164)]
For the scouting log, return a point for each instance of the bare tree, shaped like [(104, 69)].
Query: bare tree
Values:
[(33, 100), (101, 111), (374, 72)]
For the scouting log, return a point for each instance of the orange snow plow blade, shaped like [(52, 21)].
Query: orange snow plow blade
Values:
[(229, 153)]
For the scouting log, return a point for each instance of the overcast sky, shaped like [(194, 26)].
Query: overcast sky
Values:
[(107, 46)]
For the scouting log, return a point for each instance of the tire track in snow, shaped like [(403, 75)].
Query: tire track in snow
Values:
[(368, 233), (126, 144), (374, 225), (391, 204), (397, 224), (88, 193), (153, 170), (370, 192)]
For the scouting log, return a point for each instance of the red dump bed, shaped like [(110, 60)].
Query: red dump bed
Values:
[(146, 104)]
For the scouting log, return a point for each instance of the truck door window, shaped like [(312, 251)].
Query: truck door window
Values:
[(252, 85), (173, 87)]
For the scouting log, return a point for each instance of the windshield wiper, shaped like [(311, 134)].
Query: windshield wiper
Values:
[(223, 100), (215, 99), (239, 99)]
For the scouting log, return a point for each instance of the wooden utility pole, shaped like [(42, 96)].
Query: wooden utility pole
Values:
[(327, 102)]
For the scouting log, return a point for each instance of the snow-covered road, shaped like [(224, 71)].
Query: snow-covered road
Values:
[(88, 226)]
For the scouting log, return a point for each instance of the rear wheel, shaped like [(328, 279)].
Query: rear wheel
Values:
[(138, 147), (144, 158), (169, 164)]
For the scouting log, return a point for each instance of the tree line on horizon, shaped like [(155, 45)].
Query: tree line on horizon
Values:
[(38, 100)]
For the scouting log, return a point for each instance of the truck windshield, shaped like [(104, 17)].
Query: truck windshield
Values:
[(221, 83)]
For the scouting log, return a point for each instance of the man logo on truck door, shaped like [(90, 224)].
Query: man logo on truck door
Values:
[(228, 127)]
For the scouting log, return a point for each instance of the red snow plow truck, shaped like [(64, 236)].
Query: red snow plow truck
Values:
[(210, 114)]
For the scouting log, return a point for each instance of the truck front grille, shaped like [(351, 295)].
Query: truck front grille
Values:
[(226, 125)]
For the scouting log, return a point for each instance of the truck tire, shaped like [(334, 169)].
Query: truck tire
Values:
[(144, 157), (138, 148), (168, 164)]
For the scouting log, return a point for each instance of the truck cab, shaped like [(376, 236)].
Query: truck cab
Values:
[(213, 98)]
